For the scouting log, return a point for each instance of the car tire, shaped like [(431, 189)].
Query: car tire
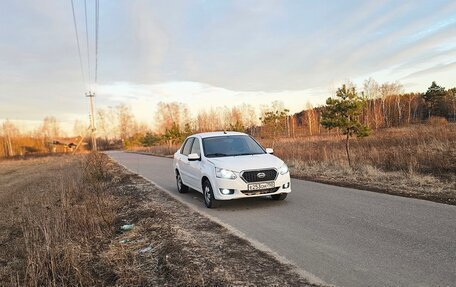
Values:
[(208, 195), (280, 196), (181, 187)]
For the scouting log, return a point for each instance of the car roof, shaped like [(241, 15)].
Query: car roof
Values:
[(218, 134)]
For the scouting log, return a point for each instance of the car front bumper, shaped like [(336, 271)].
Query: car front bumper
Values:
[(282, 184)]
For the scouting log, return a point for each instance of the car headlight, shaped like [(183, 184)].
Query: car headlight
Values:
[(283, 169), (224, 173)]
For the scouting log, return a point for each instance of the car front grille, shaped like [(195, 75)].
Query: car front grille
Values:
[(260, 191), (259, 175)]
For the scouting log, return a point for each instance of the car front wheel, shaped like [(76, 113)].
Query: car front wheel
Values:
[(208, 194), (181, 187), (280, 196)]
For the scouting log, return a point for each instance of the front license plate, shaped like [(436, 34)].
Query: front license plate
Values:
[(261, 185)]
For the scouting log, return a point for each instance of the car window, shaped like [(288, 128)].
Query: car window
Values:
[(187, 146), (196, 147), (234, 145)]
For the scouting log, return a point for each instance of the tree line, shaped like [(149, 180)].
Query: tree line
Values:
[(385, 106), (381, 106)]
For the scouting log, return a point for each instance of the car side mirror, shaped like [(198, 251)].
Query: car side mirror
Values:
[(269, 150), (193, 157)]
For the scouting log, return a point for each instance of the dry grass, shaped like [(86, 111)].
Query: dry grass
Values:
[(417, 161), (58, 212), (408, 184), (61, 219), (419, 149)]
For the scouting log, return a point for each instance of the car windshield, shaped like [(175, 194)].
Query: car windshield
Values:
[(231, 146)]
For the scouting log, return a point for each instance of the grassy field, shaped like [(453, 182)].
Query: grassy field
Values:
[(62, 221), (417, 161), (417, 149)]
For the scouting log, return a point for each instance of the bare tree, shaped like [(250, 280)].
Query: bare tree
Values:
[(201, 121), (226, 117), (112, 127), (248, 114), (214, 120), (234, 119), (9, 131), (126, 122), (388, 90), (141, 128), (371, 91), (310, 112), (103, 123), (410, 99), (169, 114), (165, 117), (50, 128), (80, 128)]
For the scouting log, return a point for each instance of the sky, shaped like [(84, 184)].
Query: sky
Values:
[(214, 53)]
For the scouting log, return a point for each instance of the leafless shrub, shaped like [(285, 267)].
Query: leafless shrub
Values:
[(95, 168)]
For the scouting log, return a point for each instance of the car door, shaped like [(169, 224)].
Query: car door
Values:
[(184, 163), (194, 167)]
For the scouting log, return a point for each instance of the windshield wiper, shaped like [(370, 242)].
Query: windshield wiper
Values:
[(247, 153), (217, 154)]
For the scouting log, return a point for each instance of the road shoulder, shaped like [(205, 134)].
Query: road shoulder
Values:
[(217, 254)]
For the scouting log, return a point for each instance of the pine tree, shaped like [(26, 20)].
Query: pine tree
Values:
[(435, 100), (275, 120), (173, 135), (343, 112)]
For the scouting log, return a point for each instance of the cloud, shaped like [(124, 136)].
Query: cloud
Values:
[(217, 52), (430, 72)]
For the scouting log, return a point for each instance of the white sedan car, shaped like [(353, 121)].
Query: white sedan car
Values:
[(229, 165)]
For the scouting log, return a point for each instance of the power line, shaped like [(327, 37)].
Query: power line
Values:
[(77, 41), (89, 94), (97, 21), (87, 39)]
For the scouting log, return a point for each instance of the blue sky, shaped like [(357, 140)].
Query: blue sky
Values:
[(217, 52)]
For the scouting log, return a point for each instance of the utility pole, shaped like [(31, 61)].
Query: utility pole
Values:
[(93, 130)]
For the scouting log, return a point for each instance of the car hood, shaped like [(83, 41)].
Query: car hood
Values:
[(246, 162)]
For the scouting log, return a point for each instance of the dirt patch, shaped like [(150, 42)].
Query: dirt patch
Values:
[(62, 226)]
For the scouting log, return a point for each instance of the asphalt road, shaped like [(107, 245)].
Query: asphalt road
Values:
[(344, 236)]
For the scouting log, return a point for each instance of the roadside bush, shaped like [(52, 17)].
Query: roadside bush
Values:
[(150, 139)]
